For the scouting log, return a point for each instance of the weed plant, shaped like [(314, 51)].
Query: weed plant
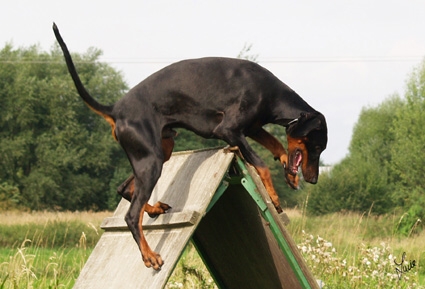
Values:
[(351, 250), (371, 267), (35, 267)]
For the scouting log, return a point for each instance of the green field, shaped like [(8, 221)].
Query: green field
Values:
[(48, 250), (45, 250)]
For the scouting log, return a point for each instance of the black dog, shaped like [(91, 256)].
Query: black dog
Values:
[(220, 98)]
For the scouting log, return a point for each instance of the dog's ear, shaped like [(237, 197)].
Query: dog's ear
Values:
[(306, 123)]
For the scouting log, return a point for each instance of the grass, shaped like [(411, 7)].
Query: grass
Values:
[(190, 272), (48, 250), (32, 267), (50, 229)]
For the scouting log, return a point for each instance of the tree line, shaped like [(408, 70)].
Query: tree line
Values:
[(56, 154), (384, 170)]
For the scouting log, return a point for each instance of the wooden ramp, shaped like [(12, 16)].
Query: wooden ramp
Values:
[(218, 202)]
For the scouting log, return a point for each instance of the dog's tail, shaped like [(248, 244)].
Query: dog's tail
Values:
[(103, 110)]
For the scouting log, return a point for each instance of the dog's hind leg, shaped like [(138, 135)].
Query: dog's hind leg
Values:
[(126, 189), (159, 208), (146, 157), (147, 171), (167, 145), (279, 153)]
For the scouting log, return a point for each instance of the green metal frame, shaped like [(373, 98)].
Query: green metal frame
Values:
[(245, 179), (251, 188)]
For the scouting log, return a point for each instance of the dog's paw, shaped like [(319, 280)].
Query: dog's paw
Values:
[(278, 209), (157, 209), (153, 260)]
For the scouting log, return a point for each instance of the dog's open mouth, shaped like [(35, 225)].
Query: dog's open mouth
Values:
[(296, 162)]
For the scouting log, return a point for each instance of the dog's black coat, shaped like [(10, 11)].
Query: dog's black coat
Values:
[(221, 98)]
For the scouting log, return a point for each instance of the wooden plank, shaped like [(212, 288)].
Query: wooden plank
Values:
[(188, 182), (179, 219)]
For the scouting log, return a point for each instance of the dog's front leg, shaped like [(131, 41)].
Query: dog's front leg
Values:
[(235, 139), (279, 153), (266, 178)]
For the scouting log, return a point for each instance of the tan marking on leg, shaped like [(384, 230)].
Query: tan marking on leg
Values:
[(150, 258)]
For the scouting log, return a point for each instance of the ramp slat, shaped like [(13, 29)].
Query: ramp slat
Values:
[(169, 220)]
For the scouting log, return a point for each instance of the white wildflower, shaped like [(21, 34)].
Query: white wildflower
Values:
[(327, 244), (366, 261)]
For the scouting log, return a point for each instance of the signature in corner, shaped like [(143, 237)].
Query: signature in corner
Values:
[(403, 266)]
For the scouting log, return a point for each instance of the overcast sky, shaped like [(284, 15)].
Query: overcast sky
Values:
[(340, 56)]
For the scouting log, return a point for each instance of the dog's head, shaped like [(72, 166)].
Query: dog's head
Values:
[(307, 138)]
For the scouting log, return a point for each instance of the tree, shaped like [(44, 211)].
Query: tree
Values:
[(408, 152), (54, 152), (363, 180), (245, 53), (384, 168)]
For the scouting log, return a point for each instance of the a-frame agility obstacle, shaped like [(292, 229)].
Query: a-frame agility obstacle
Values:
[(218, 202)]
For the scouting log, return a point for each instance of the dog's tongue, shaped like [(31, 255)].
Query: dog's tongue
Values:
[(297, 161)]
